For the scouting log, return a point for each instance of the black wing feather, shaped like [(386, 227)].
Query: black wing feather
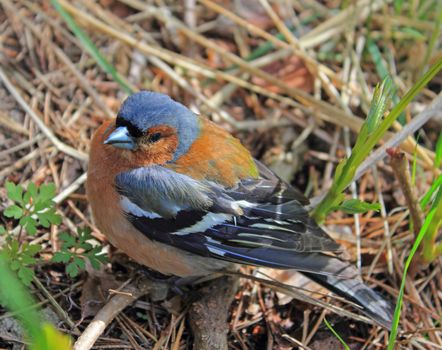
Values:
[(271, 228)]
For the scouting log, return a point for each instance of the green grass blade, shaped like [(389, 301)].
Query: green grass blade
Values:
[(438, 151), (15, 298), (362, 148), (382, 71), (91, 48), (404, 102), (434, 186), (437, 206), (414, 164), (329, 326)]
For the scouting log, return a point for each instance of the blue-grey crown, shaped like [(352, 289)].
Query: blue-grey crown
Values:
[(146, 109)]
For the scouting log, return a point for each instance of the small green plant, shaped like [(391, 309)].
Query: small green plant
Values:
[(431, 248), (34, 208), (432, 222), (75, 250), (21, 258), (355, 206), (373, 129), (13, 295), (345, 171)]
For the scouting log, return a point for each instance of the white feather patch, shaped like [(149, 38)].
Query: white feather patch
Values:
[(245, 204), (209, 220), (271, 227), (132, 208), (216, 250)]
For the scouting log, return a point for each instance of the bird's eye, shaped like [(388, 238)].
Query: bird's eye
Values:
[(154, 137)]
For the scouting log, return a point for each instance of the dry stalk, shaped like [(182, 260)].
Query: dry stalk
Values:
[(401, 170), (113, 307)]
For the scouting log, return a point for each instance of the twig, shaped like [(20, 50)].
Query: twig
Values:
[(296, 342), (402, 172), (60, 311), (42, 126), (70, 189), (323, 110), (112, 308), (21, 146), (296, 294), (387, 233), (208, 315), (19, 163), (12, 125)]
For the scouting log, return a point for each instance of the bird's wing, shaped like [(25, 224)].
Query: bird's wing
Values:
[(259, 222)]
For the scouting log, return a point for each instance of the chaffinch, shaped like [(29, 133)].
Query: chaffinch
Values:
[(182, 196)]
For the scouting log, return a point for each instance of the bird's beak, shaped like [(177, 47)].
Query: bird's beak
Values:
[(121, 138)]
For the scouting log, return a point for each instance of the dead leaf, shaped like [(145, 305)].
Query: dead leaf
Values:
[(96, 290), (290, 70)]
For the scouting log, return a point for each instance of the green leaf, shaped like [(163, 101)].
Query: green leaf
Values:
[(85, 246), (16, 298), (14, 211), (84, 233), (14, 247), (381, 99), (26, 274), (354, 206), (14, 265), (72, 269), (94, 262), (42, 205), (54, 339), (61, 257), (15, 192), (383, 73), (80, 263), (26, 198), (414, 33), (27, 259), (49, 217), (32, 190), (47, 192), (2, 230), (340, 168), (398, 5), (29, 224), (69, 240), (435, 209), (34, 249), (438, 151), (431, 191), (76, 249)]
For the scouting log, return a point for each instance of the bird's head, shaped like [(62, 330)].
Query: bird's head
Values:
[(152, 125)]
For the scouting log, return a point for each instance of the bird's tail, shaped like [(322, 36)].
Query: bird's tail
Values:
[(354, 289)]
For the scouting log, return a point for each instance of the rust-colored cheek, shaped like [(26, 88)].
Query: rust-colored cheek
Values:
[(159, 152), (116, 160)]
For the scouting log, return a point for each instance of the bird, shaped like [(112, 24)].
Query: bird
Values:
[(180, 195)]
